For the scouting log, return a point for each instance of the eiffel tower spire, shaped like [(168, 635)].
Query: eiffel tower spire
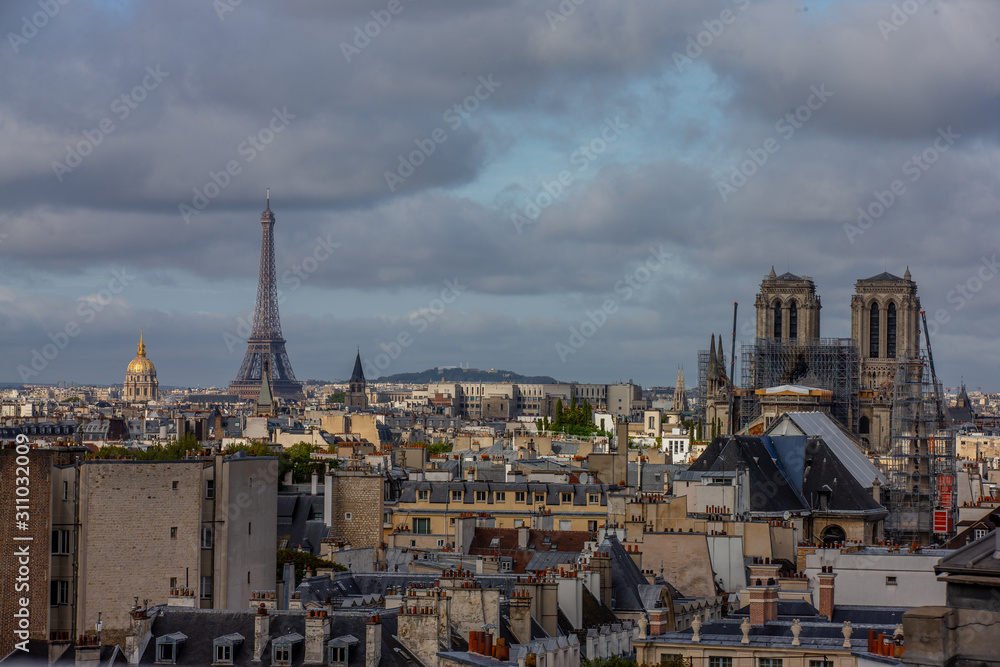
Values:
[(266, 347)]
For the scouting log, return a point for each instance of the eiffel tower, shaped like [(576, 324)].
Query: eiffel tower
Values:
[(265, 342)]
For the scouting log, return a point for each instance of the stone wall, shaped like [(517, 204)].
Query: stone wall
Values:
[(358, 494), (127, 511)]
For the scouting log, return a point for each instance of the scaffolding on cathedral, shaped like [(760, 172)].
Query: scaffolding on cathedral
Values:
[(702, 382), (920, 465), (824, 363)]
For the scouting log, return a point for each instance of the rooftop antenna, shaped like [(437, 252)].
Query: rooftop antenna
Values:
[(268, 197)]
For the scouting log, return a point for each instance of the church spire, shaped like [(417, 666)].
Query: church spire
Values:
[(141, 351), (265, 401), (358, 375), (713, 361), (772, 275)]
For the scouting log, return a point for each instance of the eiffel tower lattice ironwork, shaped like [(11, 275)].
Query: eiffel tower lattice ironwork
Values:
[(266, 342)]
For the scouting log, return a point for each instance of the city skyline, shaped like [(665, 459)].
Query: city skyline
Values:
[(463, 199)]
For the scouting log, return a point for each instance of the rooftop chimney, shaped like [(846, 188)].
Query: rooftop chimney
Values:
[(520, 616), (266, 599), (373, 642), (522, 537), (315, 484), (826, 577), (261, 632), (182, 597), (763, 601), (317, 634)]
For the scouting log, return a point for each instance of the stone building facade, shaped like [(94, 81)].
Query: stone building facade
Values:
[(355, 505), (38, 519), (787, 307), (109, 531), (885, 325)]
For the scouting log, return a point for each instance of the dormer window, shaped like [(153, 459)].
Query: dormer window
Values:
[(225, 648), (338, 649), (282, 647), (167, 647)]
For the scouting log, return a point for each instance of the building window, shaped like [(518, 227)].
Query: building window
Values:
[(165, 653), (565, 524), (174, 485), (566, 498), (890, 331), (480, 496), (592, 526), (499, 497), (206, 586), (890, 581), (539, 497), (422, 526), (980, 533), (173, 582), (594, 498), (440, 543), (769, 662), (519, 523), (206, 537), (519, 496), (721, 661), (821, 663), (777, 319), (65, 490), (281, 654), (58, 593), (348, 516), (423, 494), (224, 653), (456, 496), (60, 542), (173, 532), (249, 527), (873, 333), (451, 521), (210, 488), (338, 655)]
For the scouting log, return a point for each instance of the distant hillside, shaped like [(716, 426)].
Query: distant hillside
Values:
[(465, 375)]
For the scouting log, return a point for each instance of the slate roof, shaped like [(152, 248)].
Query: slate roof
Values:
[(792, 473), (299, 520), (627, 582), (546, 548), (825, 471), (842, 445), (981, 557), (203, 626), (885, 275), (729, 453), (817, 633)]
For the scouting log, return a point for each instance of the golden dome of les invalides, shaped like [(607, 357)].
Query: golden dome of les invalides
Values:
[(141, 364), (140, 377)]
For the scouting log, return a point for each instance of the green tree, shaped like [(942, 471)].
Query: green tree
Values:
[(336, 397), (301, 560), (440, 447), (303, 465)]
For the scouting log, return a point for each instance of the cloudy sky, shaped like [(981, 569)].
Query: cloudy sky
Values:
[(478, 181)]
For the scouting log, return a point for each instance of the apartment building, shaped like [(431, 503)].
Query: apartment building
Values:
[(427, 509), (117, 530)]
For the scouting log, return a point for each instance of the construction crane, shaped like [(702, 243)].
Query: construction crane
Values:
[(942, 415)]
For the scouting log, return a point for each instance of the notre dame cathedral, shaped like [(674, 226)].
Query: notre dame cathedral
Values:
[(850, 378)]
